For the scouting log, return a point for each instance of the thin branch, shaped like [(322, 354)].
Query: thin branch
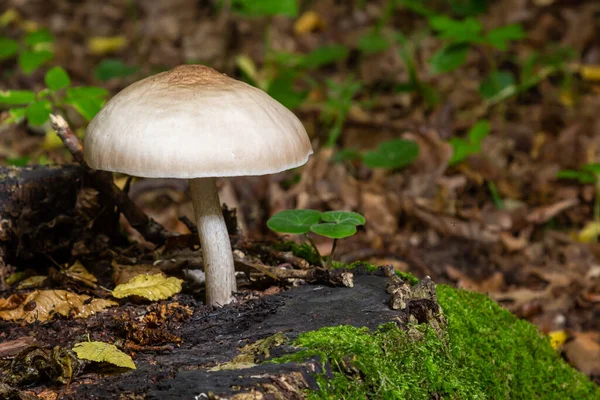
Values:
[(147, 227)]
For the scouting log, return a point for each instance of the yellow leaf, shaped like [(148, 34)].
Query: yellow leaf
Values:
[(151, 287), (103, 352), (17, 277), (566, 98), (558, 338), (78, 272), (42, 305), (590, 72), (589, 233), (32, 282), (52, 141), (308, 22), (8, 16), (109, 44)]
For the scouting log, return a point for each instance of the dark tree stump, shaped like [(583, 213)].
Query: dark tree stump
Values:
[(46, 210)]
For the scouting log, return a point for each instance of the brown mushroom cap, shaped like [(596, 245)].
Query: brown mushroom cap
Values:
[(194, 122)]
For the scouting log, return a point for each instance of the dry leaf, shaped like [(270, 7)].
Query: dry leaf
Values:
[(151, 287), (125, 273), (78, 272), (543, 214), (308, 22), (32, 282), (103, 352), (102, 45), (42, 305), (583, 352)]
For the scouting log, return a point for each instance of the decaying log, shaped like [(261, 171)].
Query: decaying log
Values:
[(45, 210)]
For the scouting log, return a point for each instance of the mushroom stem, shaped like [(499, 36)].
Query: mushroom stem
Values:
[(214, 239)]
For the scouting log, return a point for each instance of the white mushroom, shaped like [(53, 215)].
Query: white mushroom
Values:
[(195, 123)]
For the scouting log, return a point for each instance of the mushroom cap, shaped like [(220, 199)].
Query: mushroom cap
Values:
[(194, 122)]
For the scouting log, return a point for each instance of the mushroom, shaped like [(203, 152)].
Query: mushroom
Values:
[(192, 122)]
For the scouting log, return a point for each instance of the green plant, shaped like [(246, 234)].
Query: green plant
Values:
[(485, 353), (587, 174), (462, 148), (57, 95), (261, 8), (332, 224), (391, 154), (112, 68), (337, 106), (32, 51)]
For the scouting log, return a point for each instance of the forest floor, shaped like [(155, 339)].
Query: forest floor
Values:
[(500, 221)]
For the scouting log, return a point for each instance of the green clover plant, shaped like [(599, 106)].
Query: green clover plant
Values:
[(332, 224)]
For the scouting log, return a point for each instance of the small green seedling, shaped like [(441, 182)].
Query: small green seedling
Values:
[(462, 148), (587, 174), (57, 95), (332, 224)]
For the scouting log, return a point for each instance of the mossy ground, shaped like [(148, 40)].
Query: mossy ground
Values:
[(486, 353)]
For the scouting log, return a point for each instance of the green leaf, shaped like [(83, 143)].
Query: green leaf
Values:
[(29, 61), (343, 217), (294, 221), (479, 131), (449, 58), (334, 231), (57, 78), (38, 111), (581, 176), (88, 107), (109, 69), (265, 7), (15, 97), (495, 82), (346, 155), (87, 100), (461, 150), (373, 42), (87, 91), (103, 352), (282, 89), (395, 153), (323, 55), (593, 168), (18, 161), (465, 31), (500, 37), (39, 36), (8, 48)]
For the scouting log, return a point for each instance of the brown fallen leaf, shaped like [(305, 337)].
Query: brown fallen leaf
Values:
[(583, 352), (489, 285), (42, 305), (543, 214), (124, 273), (78, 272), (11, 302)]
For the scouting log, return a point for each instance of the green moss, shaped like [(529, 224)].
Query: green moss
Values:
[(488, 353), (302, 250)]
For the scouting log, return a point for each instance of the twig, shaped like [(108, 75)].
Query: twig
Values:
[(147, 227), (338, 277), (286, 256)]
